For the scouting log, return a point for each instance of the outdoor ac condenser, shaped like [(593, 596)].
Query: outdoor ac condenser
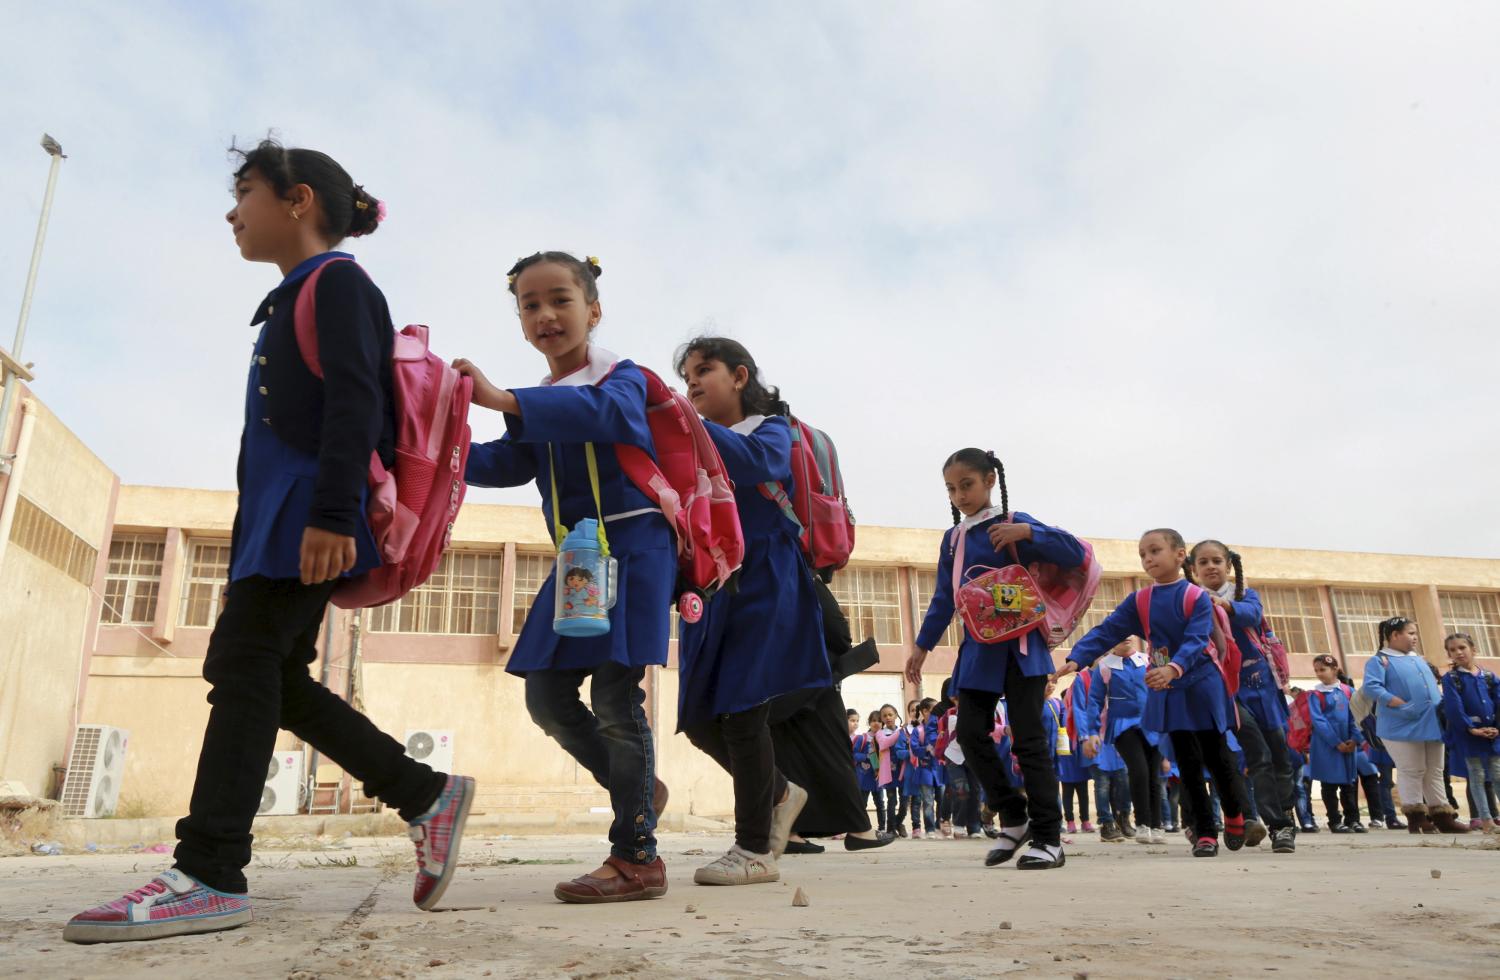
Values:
[(96, 767), (284, 787), (431, 746)]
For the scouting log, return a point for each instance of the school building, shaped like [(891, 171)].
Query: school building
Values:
[(108, 594)]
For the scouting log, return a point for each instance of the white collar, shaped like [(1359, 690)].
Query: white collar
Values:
[(1397, 653), (1226, 591), (1327, 687), (1116, 662), (979, 518), (748, 424), (599, 364)]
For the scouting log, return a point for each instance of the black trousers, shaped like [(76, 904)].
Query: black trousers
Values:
[(1142, 762), (1270, 771), (1371, 786), (256, 667), (1333, 793), (741, 743), (1081, 790), (1195, 751), (1024, 697)]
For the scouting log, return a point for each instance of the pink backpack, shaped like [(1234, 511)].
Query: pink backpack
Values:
[(413, 505), (825, 524), (688, 481), (1222, 649), (1064, 593)]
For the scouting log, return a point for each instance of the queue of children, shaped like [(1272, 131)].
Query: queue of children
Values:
[(321, 482)]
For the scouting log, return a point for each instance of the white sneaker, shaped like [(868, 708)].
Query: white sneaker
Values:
[(783, 815), (738, 867), (1142, 834), (1158, 836)]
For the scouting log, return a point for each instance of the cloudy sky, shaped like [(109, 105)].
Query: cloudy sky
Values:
[(1226, 267)]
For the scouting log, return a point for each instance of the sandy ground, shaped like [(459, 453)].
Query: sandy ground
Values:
[(1341, 906)]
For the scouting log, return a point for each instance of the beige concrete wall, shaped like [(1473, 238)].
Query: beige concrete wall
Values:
[(45, 616)]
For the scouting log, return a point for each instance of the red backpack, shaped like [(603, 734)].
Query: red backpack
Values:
[(825, 524), (413, 505), (1222, 649), (688, 481), (1299, 724), (1086, 679)]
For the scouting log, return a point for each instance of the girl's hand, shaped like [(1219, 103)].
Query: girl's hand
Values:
[(1346, 747), (1068, 667), (486, 395), (914, 662), (1091, 746), (1221, 602), (325, 555), (1160, 678), (1003, 535), (1395, 702)]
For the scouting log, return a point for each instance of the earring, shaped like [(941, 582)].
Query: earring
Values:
[(296, 216)]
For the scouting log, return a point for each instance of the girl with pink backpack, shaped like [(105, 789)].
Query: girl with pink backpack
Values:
[(301, 529), (1189, 698), (985, 538)]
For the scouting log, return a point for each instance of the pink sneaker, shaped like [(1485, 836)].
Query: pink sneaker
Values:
[(1073, 827), (437, 835), (916, 833), (1088, 828), (173, 904)]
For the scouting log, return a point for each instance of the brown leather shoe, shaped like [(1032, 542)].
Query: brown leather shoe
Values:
[(1445, 819), (659, 796), (636, 882)]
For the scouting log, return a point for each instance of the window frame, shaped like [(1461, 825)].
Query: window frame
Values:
[(112, 610), (192, 577)]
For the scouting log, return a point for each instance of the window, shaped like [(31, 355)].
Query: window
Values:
[(208, 573), (1112, 592), (134, 580), (922, 585), (1475, 613), (46, 537), (461, 597), (1359, 611), (1296, 617), (531, 571), (871, 598)]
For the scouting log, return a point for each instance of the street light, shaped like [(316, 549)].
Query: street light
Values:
[(12, 371)]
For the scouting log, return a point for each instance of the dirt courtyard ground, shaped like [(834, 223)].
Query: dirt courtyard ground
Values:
[(1385, 904)]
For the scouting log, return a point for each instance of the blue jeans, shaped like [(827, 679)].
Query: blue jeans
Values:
[(1304, 803), (923, 800), (1482, 771), (1111, 795), (613, 742)]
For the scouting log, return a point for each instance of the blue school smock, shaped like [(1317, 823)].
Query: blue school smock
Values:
[(1088, 723), (982, 666), (1073, 767), (1195, 702), (939, 771), (1470, 701), (1363, 764), (1391, 674), (920, 765), (1124, 693), (766, 638), (1332, 723), (1258, 693), (1051, 726), (279, 483), (605, 407), (864, 771)]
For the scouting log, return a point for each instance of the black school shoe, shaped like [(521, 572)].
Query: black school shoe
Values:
[(1042, 857), (1009, 845), (803, 847), (1310, 828), (1356, 827), (1394, 824), (1284, 841), (1338, 828), (851, 843), (1206, 847)]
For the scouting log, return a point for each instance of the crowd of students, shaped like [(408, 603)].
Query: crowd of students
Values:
[(759, 663)]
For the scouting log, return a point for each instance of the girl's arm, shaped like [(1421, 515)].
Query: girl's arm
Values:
[(612, 411), (1247, 612), (1051, 544), (940, 608), (1200, 625), (763, 456), (502, 463), (1374, 684), (1117, 627), (902, 747), (1093, 710)]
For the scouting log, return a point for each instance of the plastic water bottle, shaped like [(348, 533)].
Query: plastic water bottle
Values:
[(586, 582)]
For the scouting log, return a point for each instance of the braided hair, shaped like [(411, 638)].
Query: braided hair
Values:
[(982, 462), (1235, 562)]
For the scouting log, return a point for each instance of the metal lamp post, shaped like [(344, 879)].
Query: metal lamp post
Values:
[(12, 370)]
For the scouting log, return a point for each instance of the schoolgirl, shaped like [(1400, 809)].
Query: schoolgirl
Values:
[(762, 639), (1471, 697), (1072, 766), (1117, 701), (1107, 769), (1018, 669), (1333, 747), (1406, 695), (1188, 699), (866, 767), (891, 746), (919, 775), (561, 434), (300, 528), (1262, 708), (962, 788)]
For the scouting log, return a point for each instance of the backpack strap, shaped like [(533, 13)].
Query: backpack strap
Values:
[(1143, 610), (305, 318), (558, 532)]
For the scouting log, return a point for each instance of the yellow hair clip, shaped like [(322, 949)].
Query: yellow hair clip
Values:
[(594, 261)]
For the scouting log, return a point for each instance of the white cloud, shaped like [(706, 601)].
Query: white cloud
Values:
[(1228, 268)]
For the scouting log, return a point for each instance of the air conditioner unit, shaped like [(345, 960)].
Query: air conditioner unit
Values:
[(284, 787), (431, 746), (96, 767)]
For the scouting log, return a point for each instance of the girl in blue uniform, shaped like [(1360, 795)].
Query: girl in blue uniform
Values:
[(1262, 708), (562, 434), (1017, 669), (1188, 700), (919, 777), (1406, 695), (866, 760), (1117, 701), (1335, 740), (300, 527), (1107, 768), (1072, 767), (762, 639), (1471, 701)]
